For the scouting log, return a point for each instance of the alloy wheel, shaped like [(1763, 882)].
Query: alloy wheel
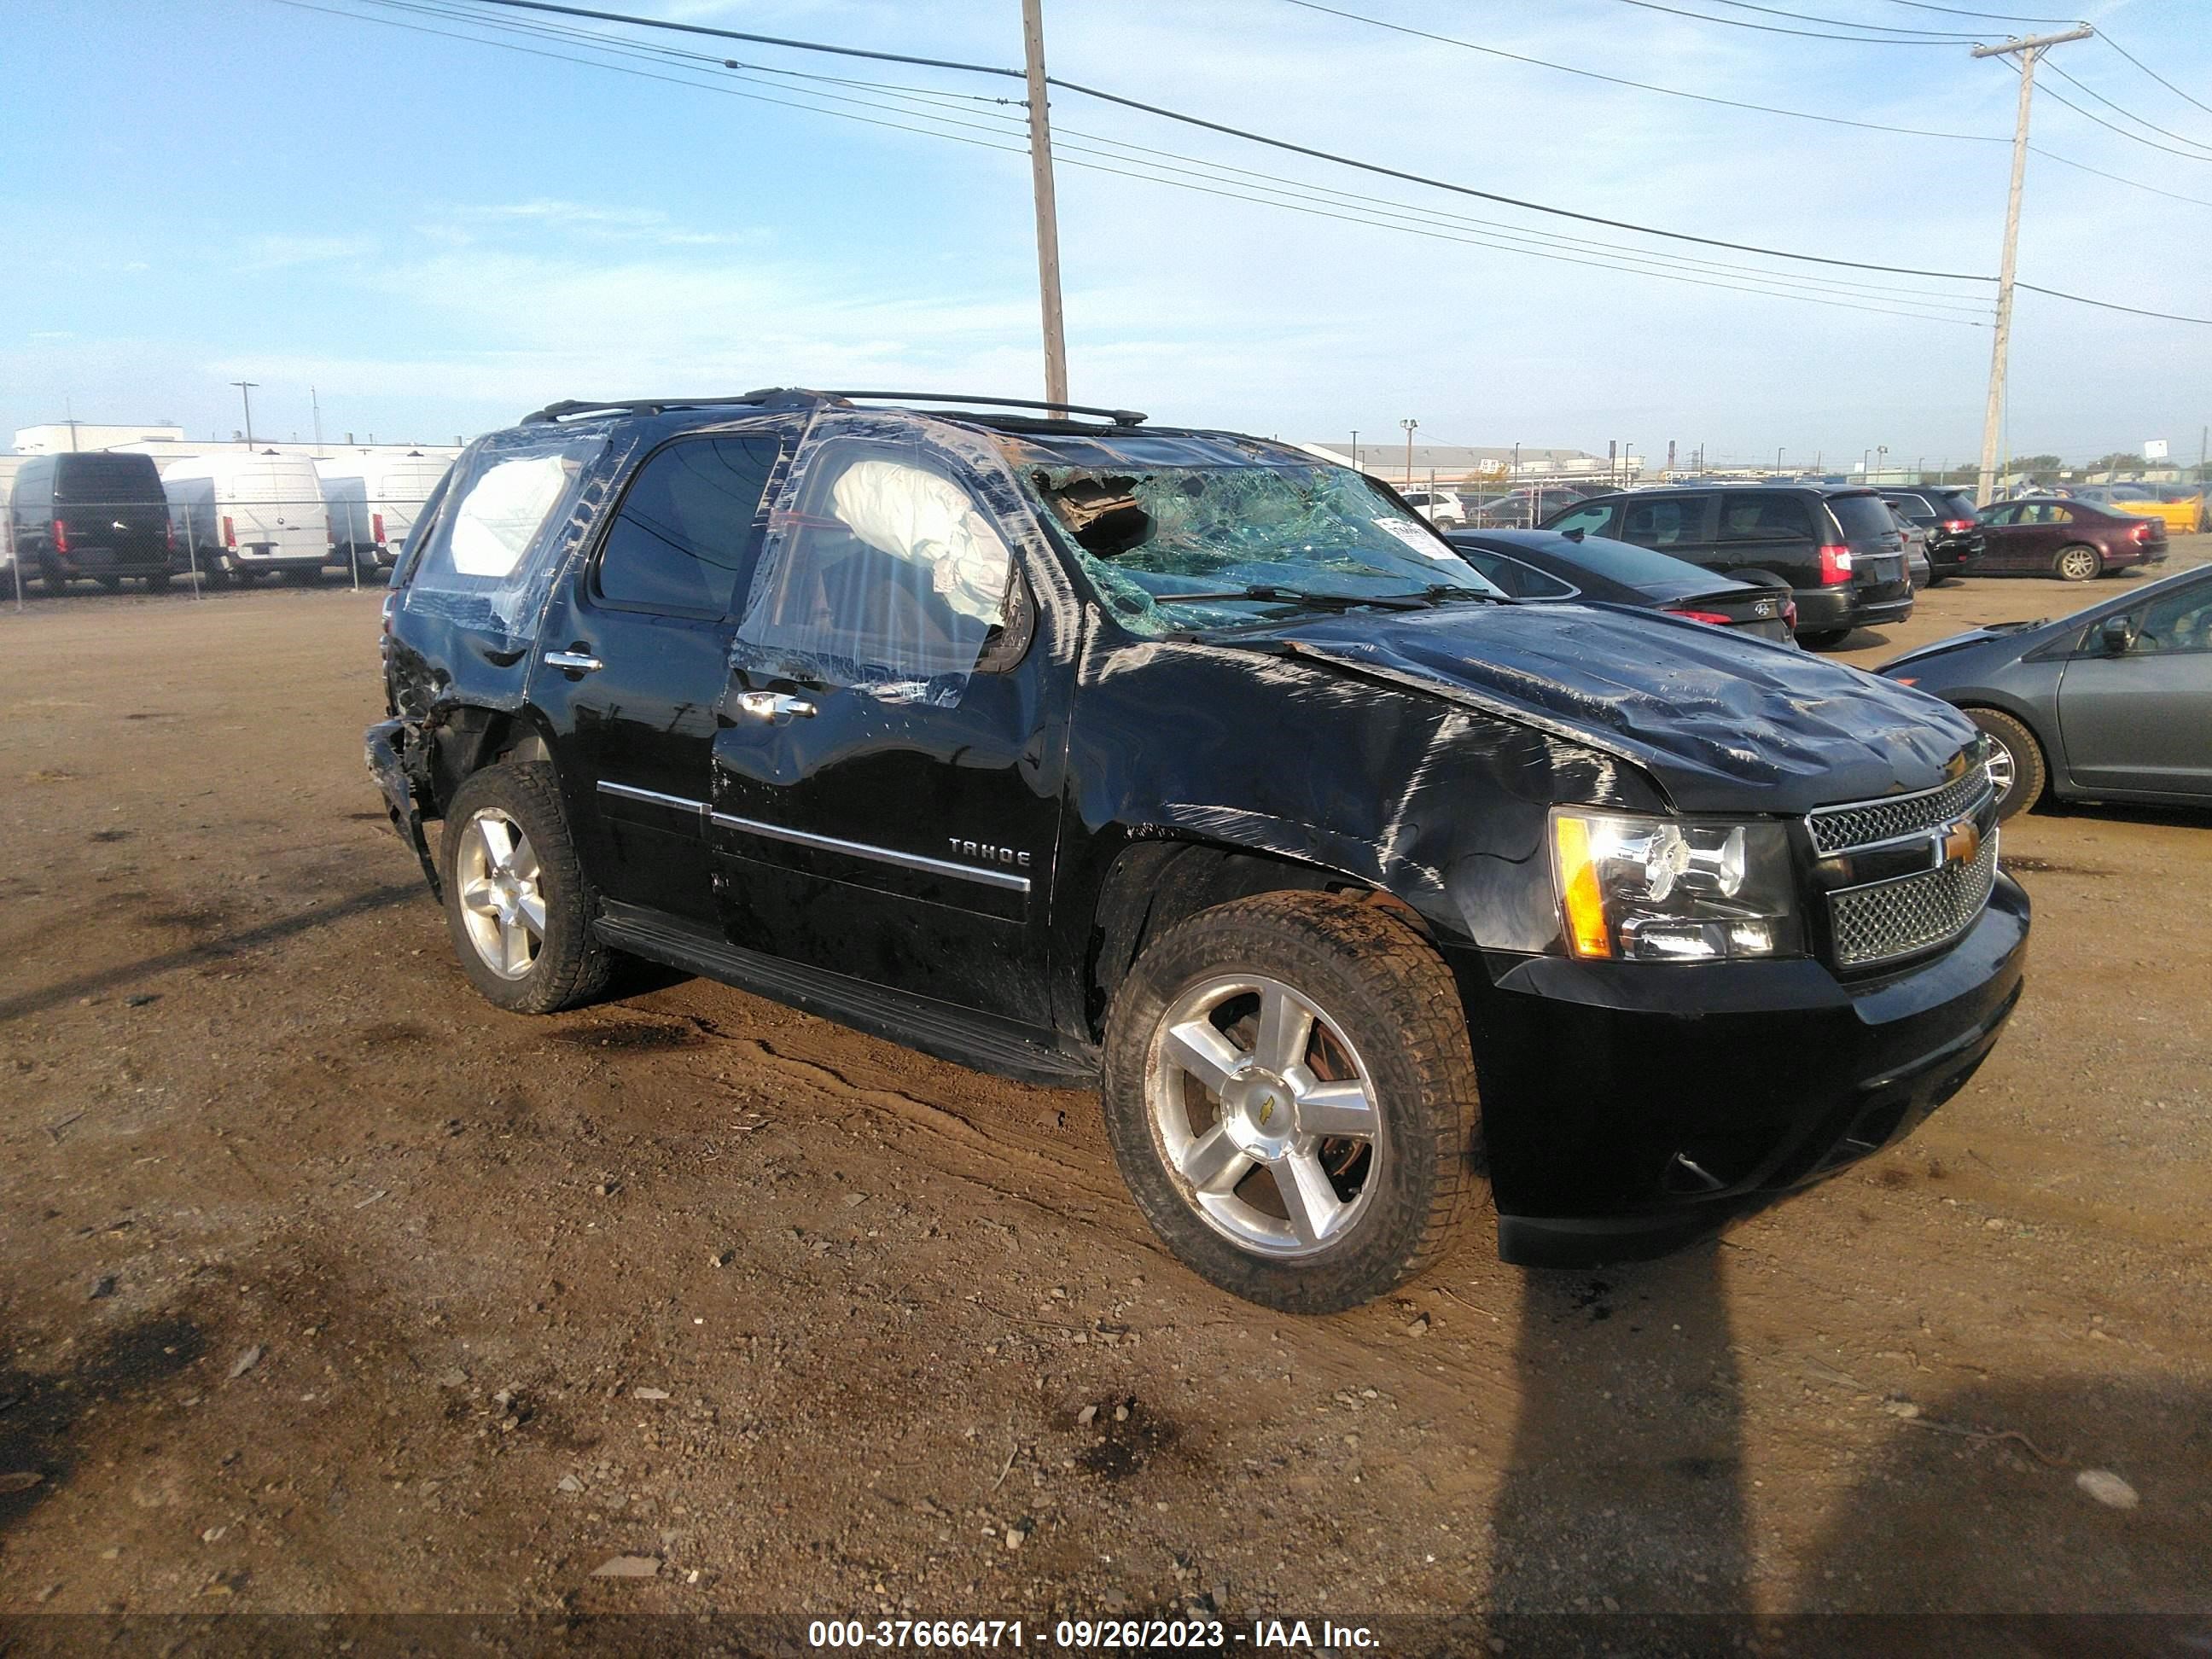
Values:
[(497, 878), (2077, 564), (2003, 769), (1265, 1114)]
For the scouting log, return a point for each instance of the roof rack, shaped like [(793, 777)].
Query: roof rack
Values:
[(785, 396)]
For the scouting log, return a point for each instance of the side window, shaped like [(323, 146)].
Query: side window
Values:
[(2178, 622), (1590, 520), (881, 571), (1663, 521), (2001, 513), (1754, 517), (1515, 579), (680, 539)]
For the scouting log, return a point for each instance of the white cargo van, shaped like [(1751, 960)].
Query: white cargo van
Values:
[(372, 496), (238, 513)]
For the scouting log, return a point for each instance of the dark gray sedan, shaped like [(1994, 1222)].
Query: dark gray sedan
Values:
[(2111, 703)]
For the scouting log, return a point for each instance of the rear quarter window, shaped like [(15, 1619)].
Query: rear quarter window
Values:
[(1861, 518), (91, 478), (503, 528)]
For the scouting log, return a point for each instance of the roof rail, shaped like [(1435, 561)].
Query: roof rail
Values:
[(785, 397)]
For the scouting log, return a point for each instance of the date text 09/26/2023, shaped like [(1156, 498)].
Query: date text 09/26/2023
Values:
[(1089, 1635)]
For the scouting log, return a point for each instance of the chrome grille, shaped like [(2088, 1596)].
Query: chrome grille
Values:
[(1861, 824), (1896, 918)]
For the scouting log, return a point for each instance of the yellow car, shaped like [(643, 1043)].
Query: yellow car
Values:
[(2181, 518)]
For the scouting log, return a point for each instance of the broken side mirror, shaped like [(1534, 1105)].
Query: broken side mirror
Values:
[(2117, 635)]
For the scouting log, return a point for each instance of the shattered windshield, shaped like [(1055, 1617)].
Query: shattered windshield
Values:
[(1179, 546)]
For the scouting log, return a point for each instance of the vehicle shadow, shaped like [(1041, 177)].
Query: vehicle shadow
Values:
[(2180, 818), (1624, 1487)]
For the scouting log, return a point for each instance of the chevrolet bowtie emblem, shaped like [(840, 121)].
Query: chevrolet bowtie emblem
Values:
[(1266, 1109), (1961, 841)]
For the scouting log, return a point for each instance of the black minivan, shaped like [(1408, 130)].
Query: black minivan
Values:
[(93, 514), (1837, 549)]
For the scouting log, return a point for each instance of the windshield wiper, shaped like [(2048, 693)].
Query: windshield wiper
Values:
[(1296, 596)]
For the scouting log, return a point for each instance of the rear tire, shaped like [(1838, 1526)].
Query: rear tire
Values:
[(1291, 1095), (2016, 763), (158, 582), (1824, 639), (110, 584), (2078, 563), (517, 906)]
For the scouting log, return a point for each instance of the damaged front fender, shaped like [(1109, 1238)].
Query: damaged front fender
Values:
[(399, 757)]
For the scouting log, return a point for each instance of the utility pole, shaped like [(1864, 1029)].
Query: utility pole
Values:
[(246, 392), (1048, 214), (1409, 426), (2029, 49)]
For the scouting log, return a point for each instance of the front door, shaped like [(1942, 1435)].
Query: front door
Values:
[(636, 656), (2142, 720), (886, 789)]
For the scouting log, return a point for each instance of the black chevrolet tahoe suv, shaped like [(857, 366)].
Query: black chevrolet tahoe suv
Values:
[(1185, 766), (1837, 549)]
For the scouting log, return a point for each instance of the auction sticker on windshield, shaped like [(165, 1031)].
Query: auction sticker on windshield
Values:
[(1416, 538)]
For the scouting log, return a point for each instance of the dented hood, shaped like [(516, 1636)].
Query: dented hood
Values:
[(1725, 724)]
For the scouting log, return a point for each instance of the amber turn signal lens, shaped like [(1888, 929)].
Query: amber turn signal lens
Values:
[(1586, 934)]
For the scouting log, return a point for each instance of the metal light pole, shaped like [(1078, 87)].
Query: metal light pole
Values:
[(1409, 426), (1356, 467), (316, 404), (246, 392), (1881, 459), (1048, 214), (2000, 342), (1777, 458)]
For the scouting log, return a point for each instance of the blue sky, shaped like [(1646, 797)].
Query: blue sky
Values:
[(439, 235)]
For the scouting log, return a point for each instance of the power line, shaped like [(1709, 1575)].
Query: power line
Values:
[(1258, 138), (1953, 36), (1775, 28), (1643, 86), (1360, 209), (2152, 73), (2116, 177), (2108, 305), (1237, 132), (1992, 17), (2180, 137), (2132, 137)]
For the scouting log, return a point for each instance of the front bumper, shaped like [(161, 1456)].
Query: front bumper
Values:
[(1630, 1109)]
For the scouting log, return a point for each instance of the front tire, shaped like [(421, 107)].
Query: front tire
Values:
[(1291, 1095), (2078, 563), (517, 904), (2016, 763)]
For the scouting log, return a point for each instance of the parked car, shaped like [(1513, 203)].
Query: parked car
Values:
[(2187, 493), (2111, 703), (92, 514), (1838, 550), (1522, 509), (1544, 565), (371, 497), (1439, 507), (2178, 514), (1917, 571), (1181, 764), (242, 513), (1946, 516), (2073, 540)]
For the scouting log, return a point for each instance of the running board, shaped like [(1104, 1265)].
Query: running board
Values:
[(983, 1041)]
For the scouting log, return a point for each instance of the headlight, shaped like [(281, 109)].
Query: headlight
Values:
[(1674, 889)]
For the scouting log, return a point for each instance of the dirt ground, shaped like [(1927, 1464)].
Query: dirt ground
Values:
[(328, 1287)]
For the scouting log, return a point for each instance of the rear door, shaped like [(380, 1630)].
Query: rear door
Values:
[(1679, 523), (887, 778), (652, 608), (117, 515), (1768, 530), (2142, 721), (1870, 530), (2004, 538)]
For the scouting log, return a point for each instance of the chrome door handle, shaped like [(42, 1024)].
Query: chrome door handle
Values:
[(574, 662), (776, 707)]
